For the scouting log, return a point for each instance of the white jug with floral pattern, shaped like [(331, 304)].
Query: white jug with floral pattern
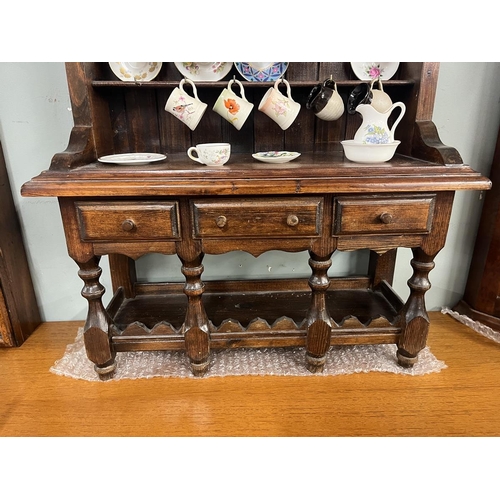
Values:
[(374, 129)]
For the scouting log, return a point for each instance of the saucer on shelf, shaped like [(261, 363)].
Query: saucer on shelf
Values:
[(204, 71), (132, 158), (276, 156), (135, 71), (261, 71), (374, 70)]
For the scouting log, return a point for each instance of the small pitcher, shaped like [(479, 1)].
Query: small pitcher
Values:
[(374, 129)]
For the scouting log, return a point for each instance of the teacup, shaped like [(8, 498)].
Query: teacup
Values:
[(380, 100), (359, 95), (233, 108), (325, 101), (212, 154), (280, 108), (186, 108)]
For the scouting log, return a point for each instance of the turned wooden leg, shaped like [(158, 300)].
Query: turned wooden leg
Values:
[(381, 267), (415, 321), (196, 326), (319, 323), (123, 274), (97, 327)]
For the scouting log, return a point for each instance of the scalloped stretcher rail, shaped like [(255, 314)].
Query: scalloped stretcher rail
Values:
[(229, 325)]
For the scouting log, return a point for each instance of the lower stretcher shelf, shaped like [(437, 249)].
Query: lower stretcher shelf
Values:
[(255, 317)]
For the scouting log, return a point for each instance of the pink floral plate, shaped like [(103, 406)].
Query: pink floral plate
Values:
[(373, 70)]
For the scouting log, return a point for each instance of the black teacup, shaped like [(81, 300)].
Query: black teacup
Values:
[(320, 95), (360, 95)]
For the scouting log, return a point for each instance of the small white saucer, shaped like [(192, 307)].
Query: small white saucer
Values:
[(132, 158), (276, 156)]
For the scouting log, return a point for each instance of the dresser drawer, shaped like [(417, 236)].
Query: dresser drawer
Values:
[(128, 221), (383, 214), (257, 217)]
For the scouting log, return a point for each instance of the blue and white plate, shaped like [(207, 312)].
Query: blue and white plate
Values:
[(261, 71)]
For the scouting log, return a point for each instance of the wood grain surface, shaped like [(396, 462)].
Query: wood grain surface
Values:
[(461, 400)]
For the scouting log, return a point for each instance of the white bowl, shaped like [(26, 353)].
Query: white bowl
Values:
[(369, 153)]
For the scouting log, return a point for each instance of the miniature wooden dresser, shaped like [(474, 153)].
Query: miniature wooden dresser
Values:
[(19, 312), (320, 202)]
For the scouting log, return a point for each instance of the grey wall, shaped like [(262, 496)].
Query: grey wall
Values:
[(467, 116), (35, 122)]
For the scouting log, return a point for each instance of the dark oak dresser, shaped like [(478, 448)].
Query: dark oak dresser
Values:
[(19, 312), (481, 300), (320, 203)]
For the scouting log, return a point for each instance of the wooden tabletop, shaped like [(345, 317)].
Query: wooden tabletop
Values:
[(461, 400), (242, 175)]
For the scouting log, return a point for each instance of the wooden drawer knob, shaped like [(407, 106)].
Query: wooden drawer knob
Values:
[(292, 220), (386, 218), (221, 221), (128, 225)]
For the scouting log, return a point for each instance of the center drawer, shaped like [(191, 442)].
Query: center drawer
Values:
[(257, 217), (383, 214), (128, 221)]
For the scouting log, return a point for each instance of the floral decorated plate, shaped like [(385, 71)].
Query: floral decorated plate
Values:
[(276, 156), (204, 71), (373, 70), (261, 71), (135, 71), (132, 158)]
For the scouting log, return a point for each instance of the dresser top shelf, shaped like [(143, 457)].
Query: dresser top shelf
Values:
[(224, 83), (242, 175)]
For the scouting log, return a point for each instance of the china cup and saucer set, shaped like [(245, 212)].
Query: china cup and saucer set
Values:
[(373, 142)]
